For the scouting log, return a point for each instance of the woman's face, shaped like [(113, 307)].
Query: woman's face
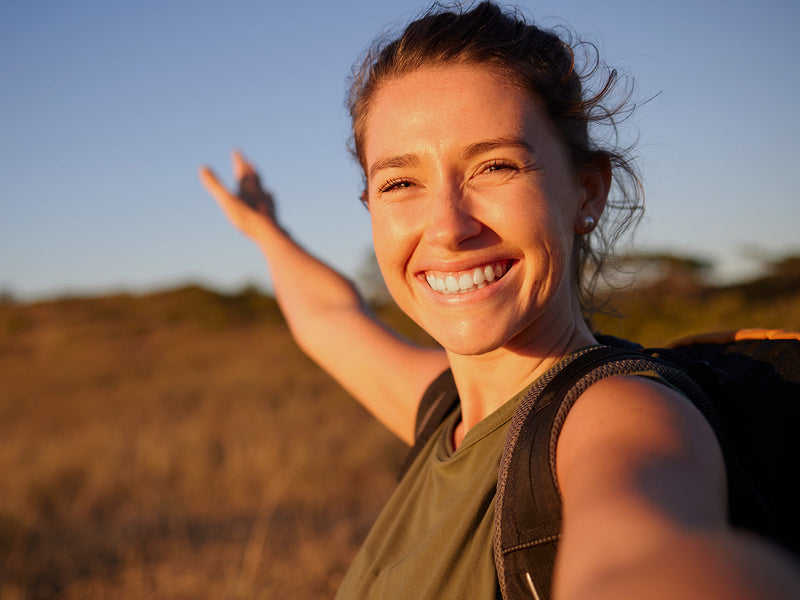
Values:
[(474, 205)]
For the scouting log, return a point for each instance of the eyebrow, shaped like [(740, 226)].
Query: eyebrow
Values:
[(412, 160), (479, 148), (394, 162)]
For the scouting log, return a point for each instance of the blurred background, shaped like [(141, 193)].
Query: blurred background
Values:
[(160, 434)]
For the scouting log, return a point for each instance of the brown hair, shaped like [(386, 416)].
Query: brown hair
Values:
[(544, 65)]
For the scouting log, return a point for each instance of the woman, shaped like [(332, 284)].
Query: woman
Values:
[(483, 189)]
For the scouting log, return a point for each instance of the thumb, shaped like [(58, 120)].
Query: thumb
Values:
[(212, 183)]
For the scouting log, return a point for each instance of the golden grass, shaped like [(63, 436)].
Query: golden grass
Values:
[(169, 448)]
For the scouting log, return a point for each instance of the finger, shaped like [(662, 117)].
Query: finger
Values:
[(241, 167), (212, 184), (250, 190), (245, 174), (230, 204), (239, 164)]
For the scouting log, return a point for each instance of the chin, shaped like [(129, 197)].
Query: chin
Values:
[(467, 342), (469, 350)]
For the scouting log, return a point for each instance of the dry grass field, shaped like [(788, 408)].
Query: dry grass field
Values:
[(179, 445)]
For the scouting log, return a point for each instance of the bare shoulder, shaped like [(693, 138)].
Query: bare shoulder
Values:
[(644, 509), (636, 443)]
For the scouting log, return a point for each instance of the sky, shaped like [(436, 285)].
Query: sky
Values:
[(108, 109)]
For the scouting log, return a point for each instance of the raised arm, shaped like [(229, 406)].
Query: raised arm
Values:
[(327, 317), (644, 507)]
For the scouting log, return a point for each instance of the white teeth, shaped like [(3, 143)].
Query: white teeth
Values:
[(467, 281)]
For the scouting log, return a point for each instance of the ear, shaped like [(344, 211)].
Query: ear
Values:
[(595, 181)]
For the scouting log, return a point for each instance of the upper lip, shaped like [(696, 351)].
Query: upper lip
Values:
[(460, 266)]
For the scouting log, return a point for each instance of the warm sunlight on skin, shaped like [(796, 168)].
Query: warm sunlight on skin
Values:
[(474, 205)]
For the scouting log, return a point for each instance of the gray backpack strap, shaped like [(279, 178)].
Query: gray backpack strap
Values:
[(528, 505)]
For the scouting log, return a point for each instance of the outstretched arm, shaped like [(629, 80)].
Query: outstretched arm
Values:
[(327, 317), (644, 505)]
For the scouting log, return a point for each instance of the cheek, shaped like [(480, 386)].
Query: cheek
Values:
[(387, 243), (392, 254), (394, 226), (531, 223), (551, 219)]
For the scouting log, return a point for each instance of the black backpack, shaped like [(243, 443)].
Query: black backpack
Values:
[(746, 383)]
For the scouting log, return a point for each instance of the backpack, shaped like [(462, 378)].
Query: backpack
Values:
[(747, 385)]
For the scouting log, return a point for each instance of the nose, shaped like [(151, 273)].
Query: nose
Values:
[(450, 220)]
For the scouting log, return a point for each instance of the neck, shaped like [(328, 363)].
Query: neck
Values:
[(487, 381)]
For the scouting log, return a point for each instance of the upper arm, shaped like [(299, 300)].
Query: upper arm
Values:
[(384, 372), (638, 467)]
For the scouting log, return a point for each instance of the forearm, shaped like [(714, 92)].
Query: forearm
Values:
[(724, 565), (334, 325), (644, 503), (308, 291)]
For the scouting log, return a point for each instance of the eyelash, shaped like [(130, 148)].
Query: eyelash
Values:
[(394, 184), (493, 166), (499, 164)]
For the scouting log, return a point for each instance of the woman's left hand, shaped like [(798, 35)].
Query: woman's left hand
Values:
[(249, 209)]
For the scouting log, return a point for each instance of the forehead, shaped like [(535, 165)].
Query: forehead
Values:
[(448, 104)]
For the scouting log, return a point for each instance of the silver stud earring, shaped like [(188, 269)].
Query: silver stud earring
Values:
[(588, 223)]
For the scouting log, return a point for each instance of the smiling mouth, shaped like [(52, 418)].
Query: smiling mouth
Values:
[(462, 282)]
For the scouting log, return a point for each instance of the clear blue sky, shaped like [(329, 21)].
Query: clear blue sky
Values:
[(107, 109)]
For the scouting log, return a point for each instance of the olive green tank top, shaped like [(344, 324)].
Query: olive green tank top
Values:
[(433, 539)]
